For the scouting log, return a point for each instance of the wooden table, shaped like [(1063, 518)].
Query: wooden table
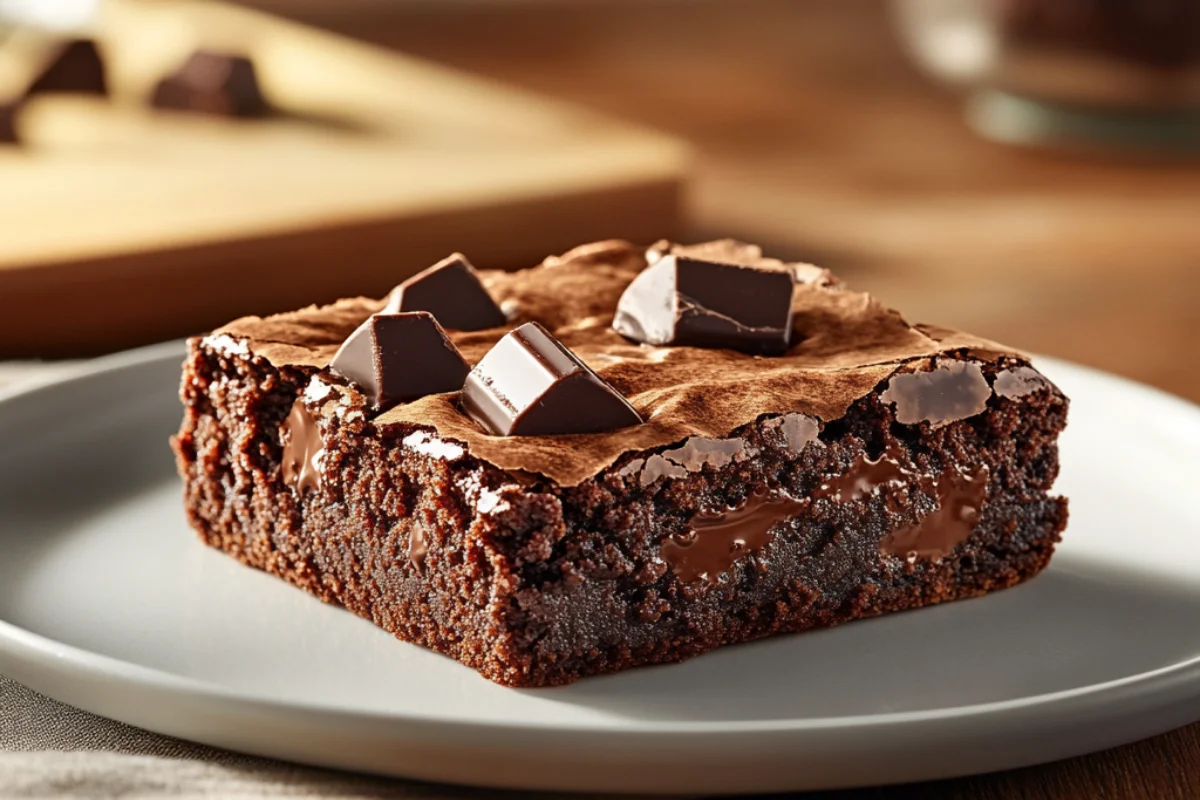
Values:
[(817, 138), (371, 161)]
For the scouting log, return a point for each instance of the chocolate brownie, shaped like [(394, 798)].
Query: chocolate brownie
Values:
[(730, 484)]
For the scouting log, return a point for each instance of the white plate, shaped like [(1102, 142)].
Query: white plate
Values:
[(109, 603)]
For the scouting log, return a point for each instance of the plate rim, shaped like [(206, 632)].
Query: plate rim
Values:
[(14, 640)]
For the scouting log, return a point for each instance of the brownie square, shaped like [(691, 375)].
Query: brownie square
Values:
[(875, 466)]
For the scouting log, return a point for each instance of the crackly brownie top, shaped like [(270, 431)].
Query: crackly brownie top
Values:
[(844, 345)]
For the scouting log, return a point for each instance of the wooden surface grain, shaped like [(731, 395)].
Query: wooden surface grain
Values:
[(817, 138), (373, 162)]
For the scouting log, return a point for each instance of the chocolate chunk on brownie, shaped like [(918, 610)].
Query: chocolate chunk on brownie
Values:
[(871, 466), (451, 291), (708, 302), (529, 384), (392, 358)]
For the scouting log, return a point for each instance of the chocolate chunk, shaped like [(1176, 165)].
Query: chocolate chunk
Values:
[(529, 384), (950, 392), (303, 449), (394, 358), (8, 119), (72, 65), (960, 502), (684, 300), (451, 291), (418, 546), (960, 498), (212, 83), (715, 542), (863, 478)]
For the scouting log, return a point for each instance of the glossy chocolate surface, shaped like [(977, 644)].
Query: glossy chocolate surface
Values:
[(960, 502), (715, 542), (683, 300), (960, 499), (303, 448), (863, 478), (394, 358), (529, 384), (451, 291)]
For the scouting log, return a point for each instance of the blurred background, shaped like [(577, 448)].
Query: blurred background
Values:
[(1025, 170)]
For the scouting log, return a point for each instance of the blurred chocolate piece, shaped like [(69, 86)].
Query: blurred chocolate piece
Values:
[(209, 82), (394, 358), (8, 119), (690, 301), (35, 62), (67, 65), (451, 291), (529, 384)]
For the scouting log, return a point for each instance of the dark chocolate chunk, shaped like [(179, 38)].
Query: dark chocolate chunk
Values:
[(8, 120), (72, 65), (715, 542), (303, 449), (960, 502), (529, 384), (451, 291), (395, 358), (960, 498), (862, 479), (952, 391), (683, 300), (209, 82), (418, 546)]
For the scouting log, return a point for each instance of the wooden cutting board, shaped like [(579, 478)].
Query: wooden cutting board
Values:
[(121, 225)]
